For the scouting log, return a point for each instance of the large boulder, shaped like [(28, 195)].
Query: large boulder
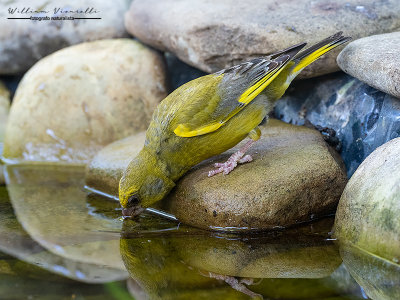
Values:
[(23, 42), (212, 35), (374, 60), (368, 214), (294, 178), (353, 117), (79, 99)]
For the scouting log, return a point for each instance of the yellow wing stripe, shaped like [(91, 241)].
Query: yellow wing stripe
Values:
[(183, 131), (313, 56)]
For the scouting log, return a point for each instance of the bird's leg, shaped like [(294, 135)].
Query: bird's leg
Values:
[(237, 284), (237, 157)]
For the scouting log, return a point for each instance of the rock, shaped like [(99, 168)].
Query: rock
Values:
[(378, 277), (99, 92), (352, 116), (105, 169), (368, 214), (294, 178), (53, 209), (23, 42), (375, 61), (215, 35), (4, 110)]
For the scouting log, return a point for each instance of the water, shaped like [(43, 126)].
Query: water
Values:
[(58, 242)]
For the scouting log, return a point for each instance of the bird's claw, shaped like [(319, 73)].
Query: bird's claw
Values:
[(230, 164)]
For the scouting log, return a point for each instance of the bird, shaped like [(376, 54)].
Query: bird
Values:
[(208, 116)]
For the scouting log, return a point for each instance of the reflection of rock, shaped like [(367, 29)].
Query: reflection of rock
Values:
[(51, 206), (361, 117), (16, 242), (160, 273), (175, 264), (100, 92), (215, 35), (380, 278), (4, 109), (374, 60), (368, 214), (106, 168), (295, 253), (293, 178), (23, 42)]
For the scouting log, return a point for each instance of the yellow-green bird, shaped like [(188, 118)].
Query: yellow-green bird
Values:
[(208, 116)]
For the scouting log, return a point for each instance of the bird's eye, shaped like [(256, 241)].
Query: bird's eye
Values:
[(133, 200)]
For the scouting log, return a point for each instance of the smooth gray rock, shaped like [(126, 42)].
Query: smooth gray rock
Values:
[(23, 42), (374, 60), (212, 35)]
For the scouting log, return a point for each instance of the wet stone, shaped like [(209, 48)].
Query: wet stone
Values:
[(375, 61), (85, 96), (294, 177), (216, 35), (354, 117)]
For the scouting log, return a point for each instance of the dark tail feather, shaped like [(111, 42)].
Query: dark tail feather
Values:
[(306, 57), (337, 38)]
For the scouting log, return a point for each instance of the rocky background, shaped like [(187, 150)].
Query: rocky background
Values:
[(82, 92)]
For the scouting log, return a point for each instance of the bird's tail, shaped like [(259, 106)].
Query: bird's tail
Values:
[(306, 57)]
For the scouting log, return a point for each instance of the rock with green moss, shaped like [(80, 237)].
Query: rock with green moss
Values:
[(368, 214), (75, 101)]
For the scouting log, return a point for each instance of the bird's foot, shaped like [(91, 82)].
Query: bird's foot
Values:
[(232, 162)]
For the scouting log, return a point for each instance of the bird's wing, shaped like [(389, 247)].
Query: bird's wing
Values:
[(237, 87)]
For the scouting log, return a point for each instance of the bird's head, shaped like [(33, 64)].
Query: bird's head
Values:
[(142, 184)]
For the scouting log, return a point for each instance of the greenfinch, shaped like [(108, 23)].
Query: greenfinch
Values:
[(208, 116)]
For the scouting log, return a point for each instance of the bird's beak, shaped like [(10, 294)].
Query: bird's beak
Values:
[(132, 211)]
